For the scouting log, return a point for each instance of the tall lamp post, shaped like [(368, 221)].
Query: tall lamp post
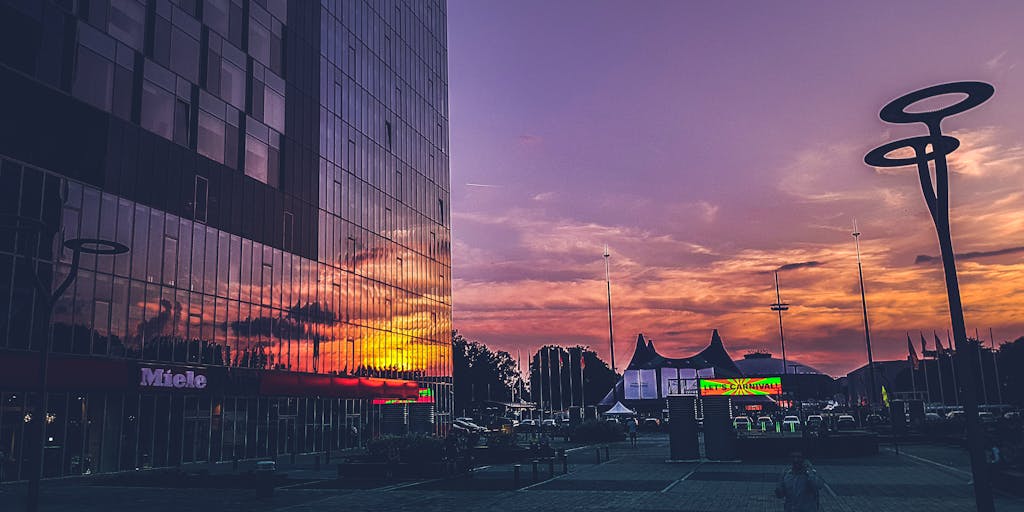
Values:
[(933, 148), (35, 230), (780, 307), (864, 310), (608, 283)]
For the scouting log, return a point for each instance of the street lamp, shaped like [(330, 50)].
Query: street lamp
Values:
[(780, 307), (608, 282), (933, 148), (78, 246), (864, 309)]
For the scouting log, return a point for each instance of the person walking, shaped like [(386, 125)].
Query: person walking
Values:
[(800, 486), (632, 426)]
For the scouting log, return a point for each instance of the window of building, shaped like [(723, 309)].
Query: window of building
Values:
[(216, 15), (232, 84), (127, 22), (200, 198), (211, 136), (273, 109), (255, 158), (184, 55), (94, 79), (259, 42), (157, 109), (181, 122), (387, 129)]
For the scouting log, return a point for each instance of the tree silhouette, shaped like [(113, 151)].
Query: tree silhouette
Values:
[(480, 374)]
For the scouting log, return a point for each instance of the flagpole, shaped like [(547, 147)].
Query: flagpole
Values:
[(910, 356), (995, 367), (952, 366), (924, 355), (540, 382), (551, 387), (583, 381), (981, 367), (938, 366), (572, 389), (558, 370)]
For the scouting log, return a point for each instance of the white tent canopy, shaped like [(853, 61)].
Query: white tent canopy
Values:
[(618, 408)]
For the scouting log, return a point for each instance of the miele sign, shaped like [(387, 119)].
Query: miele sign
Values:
[(167, 378)]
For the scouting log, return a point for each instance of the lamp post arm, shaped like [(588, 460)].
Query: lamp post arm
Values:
[(76, 259)]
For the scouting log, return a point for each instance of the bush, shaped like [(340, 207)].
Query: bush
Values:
[(598, 432), (410, 448)]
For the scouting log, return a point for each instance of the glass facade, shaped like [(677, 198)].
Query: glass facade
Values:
[(279, 173)]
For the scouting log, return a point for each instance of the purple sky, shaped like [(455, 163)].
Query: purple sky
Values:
[(709, 143)]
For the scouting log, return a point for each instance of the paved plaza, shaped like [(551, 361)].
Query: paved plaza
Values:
[(920, 478)]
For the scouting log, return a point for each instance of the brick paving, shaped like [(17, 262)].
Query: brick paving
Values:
[(635, 479)]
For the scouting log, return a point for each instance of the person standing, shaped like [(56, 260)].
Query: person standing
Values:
[(632, 426), (800, 486)]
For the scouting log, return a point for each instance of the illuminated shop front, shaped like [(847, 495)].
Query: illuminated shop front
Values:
[(286, 213)]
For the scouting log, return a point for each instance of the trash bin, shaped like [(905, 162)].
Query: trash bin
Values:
[(264, 477)]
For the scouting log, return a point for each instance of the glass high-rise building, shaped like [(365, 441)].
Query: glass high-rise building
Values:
[(279, 173)]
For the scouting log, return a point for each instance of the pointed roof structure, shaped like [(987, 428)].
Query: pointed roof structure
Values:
[(618, 408), (645, 357), (714, 355)]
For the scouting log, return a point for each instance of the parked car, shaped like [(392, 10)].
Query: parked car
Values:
[(741, 423), (651, 423), (790, 423), (469, 426), (955, 415), (528, 425), (932, 417), (846, 422), (765, 423), (1012, 415), (874, 419), (986, 417), (548, 423), (815, 421)]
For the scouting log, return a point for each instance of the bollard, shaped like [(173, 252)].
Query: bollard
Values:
[(598, 452), (565, 463), (515, 474), (607, 457), (551, 467), (535, 461)]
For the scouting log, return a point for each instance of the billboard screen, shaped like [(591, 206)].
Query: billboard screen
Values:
[(640, 384), (741, 387)]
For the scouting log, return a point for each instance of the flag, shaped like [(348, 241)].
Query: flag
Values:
[(938, 344), (914, 361), (583, 360), (885, 397), (924, 349)]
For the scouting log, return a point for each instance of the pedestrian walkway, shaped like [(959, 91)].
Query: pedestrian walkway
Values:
[(629, 479)]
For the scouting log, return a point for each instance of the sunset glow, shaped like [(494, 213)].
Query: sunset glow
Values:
[(738, 153)]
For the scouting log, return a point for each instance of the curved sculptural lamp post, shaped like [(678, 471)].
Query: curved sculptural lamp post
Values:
[(933, 148), (78, 246)]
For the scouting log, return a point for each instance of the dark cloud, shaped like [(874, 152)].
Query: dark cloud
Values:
[(924, 258), (802, 264)]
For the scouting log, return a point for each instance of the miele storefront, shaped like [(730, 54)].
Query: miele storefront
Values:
[(109, 415)]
